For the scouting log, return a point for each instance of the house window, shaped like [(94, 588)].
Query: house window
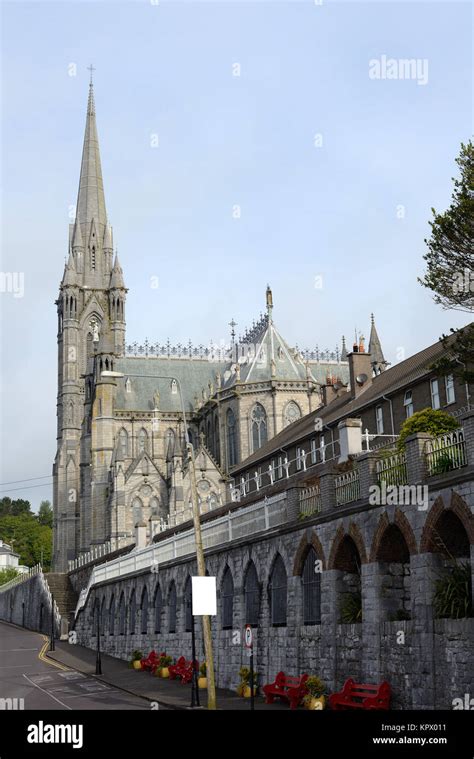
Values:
[(311, 581), (258, 426), (434, 394), (322, 448), (278, 593), (172, 609), (408, 403), (227, 600), (449, 384), (252, 596), (231, 446), (313, 451), (280, 467), (379, 419), (299, 458)]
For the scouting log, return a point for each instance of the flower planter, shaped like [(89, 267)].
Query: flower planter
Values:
[(137, 664), (163, 672), (202, 682), (315, 704), (246, 692)]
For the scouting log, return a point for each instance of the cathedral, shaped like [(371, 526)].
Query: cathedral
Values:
[(122, 410)]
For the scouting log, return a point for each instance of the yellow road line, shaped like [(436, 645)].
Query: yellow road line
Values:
[(46, 659)]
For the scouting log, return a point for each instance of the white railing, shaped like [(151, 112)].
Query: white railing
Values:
[(259, 517), (393, 469), (23, 577), (96, 552), (347, 487), (310, 500), (446, 452)]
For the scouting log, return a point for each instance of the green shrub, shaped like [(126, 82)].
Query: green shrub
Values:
[(452, 598), (316, 687), (433, 421), (351, 608)]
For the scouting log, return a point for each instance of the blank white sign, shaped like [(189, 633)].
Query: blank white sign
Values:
[(204, 596)]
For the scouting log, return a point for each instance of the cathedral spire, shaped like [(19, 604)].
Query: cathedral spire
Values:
[(375, 349), (90, 198)]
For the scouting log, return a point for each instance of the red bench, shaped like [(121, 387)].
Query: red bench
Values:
[(183, 669), (293, 689), (149, 662), (361, 696)]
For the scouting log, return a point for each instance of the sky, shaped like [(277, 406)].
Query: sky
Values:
[(242, 143)]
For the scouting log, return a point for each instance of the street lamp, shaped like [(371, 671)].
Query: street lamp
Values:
[(206, 622)]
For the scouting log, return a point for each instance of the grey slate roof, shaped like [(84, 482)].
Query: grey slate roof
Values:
[(400, 375)]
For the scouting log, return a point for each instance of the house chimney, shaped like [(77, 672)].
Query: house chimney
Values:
[(350, 438), (360, 371), (140, 535)]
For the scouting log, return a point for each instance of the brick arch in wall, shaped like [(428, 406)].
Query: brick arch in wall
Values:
[(305, 544), (226, 561), (356, 535), (248, 556), (459, 507), (403, 525), (268, 569)]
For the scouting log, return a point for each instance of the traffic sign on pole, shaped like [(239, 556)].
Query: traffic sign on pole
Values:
[(248, 636)]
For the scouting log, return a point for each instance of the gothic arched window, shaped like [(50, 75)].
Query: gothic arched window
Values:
[(158, 608), (252, 596), (258, 426), (142, 440), (154, 506), (174, 387), (227, 600), (170, 440), (133, 613), (231, 438), (122, 615), (188, 611), (144, 612), (216, 438), (311, 580), (123, 439), (137, 514), (292, 413), (112, 616), (278, 593), (172, 609)]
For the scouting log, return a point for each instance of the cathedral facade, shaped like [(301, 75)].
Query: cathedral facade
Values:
[(122, 411)]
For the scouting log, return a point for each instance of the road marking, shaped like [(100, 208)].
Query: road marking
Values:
[(47, 660), (47, 693), (7, 650)]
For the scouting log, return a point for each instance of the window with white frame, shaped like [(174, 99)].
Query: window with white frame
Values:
[(449, 384), (434, 394), (379, 419), (408, 403), (280, 467), (299, 458), (322, 448), (313, 450)]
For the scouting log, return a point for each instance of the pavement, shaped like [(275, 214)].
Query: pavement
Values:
[(169, 694), (32, 680)]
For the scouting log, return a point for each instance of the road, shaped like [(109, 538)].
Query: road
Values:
[(25, 673)]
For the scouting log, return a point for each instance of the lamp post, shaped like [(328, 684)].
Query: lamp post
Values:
[(201, 566), (51, 643), (98, 660)]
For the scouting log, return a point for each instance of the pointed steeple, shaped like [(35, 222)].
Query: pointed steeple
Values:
[(77, 236), (70, 275), (375, 349), (344, 349), (116, 276), (90, 198)]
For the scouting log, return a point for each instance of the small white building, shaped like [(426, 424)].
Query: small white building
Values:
[(9, 559)]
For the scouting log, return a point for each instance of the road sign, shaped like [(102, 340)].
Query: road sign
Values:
[(248, 636)]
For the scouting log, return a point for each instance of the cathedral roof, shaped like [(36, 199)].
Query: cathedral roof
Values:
[(375, 347), (91, 199)]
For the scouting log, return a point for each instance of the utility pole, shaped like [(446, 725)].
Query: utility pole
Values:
[(98, 661), (51, 643)]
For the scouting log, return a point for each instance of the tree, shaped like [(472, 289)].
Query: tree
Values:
[(7, 574), (450, 255), (45, 514), (19, 506), (30, 539), (458, 358), (435, 422)]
